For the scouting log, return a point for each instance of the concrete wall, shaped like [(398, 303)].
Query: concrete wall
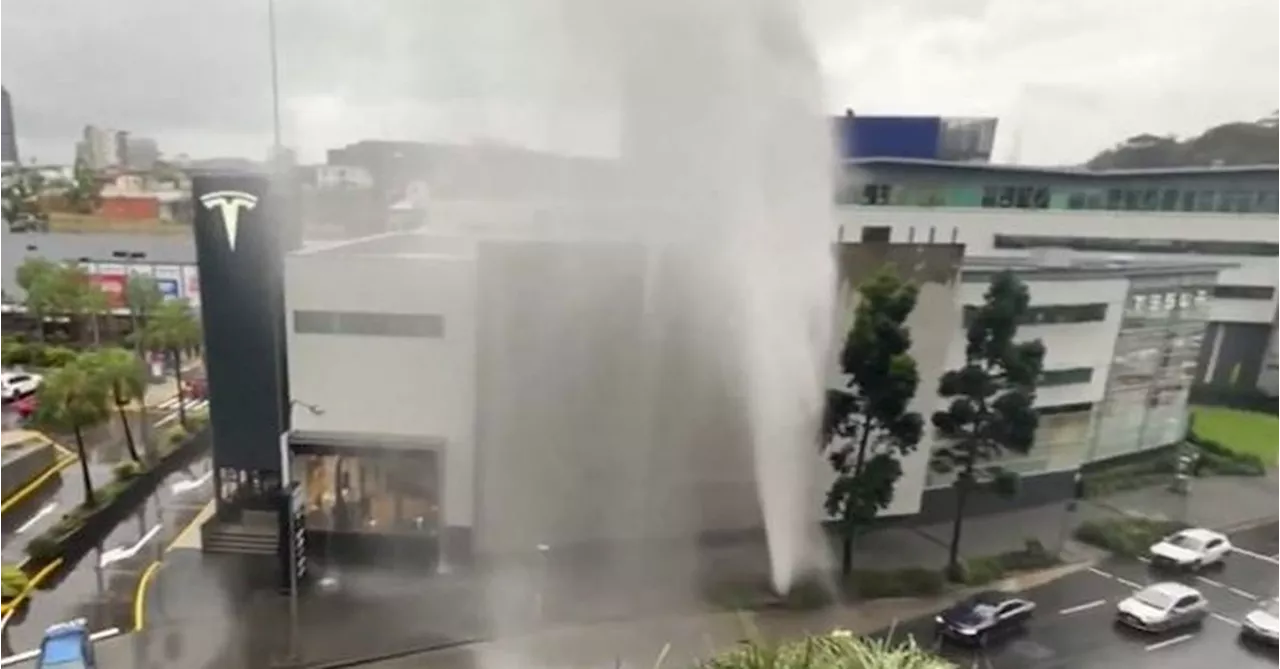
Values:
[(976, 229), (389, 385), (1067, 345), (935, 270), (23, 463)]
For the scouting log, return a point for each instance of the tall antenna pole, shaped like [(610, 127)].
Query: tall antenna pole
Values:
[(275, 78)]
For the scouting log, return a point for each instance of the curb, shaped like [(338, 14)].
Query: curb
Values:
[(1247, 524)]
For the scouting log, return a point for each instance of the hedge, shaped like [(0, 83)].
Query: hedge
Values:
[(839, 649), (1216, 458), (921, 582), (14, 581), (1130, 537), (45, 356)]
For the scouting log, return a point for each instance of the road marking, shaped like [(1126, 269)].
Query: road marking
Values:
[(34, 485), (9, 607), (122, 553), (1247, 595), (182, 487), (44, 511), (1129, 583), (140, 596), (1229, 621), (1256, 556), (1101, 573), (1083, 607), (1144, 560), (190, 406), (1169, 642), (1210, 581)]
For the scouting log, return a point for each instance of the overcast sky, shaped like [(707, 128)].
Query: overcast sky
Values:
[(1066, 77)]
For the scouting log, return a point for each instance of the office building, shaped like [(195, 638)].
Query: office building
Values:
[(1223, 215), (9, 142)]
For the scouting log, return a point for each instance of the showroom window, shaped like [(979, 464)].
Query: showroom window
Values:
[(1054, 314), (1244, 292), (1063, 377), (368, 324)]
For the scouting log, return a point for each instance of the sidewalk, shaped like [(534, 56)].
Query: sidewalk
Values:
[(1217, 502)]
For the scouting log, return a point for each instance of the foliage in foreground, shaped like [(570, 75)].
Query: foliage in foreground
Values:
[(15, 581), (837, 650)]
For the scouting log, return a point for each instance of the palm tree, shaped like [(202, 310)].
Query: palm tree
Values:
[(87, 300), (171, 330), (122, 373), (71, 399), (141, 297)]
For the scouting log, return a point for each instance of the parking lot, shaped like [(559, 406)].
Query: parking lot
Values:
[(1074, 621)]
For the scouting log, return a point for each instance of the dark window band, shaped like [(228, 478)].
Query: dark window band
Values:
[(1131, 245), (1244, 292), (1054, 314), (368, 324)]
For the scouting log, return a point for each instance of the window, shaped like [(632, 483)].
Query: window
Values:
[(1244, 292), (1189, 200), (1132, 200), (1077, 201), (1169, 200), (1054, 314), (1150, 200), (1266, 202), (1115, 199), (876, 233), (876, 194), (990, 196), (1134, 245), (1204, 200), (368, 324), (1063, 377), (1040, 198)]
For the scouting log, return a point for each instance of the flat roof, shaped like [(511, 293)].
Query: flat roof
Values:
[(1070, 266), (1068, 170)]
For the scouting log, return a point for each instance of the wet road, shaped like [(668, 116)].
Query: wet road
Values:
[(100, 587), (1074, 625)]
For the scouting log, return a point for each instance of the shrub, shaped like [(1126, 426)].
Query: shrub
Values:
[(15, 353), (1130, 537), (1216, 458), (43, 548), (52, 356), (837, 650), (908, 582), (981, 570), (126, 470), (1032, 556)]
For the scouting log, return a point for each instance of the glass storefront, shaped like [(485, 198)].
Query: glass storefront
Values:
[(370, 491)]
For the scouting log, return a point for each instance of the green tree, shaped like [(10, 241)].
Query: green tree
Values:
[(72, 399), (21, 201), (84, 300), (992, 399), (121, 372), (39, 281), (84, 195), (172, 329), (866, 426)]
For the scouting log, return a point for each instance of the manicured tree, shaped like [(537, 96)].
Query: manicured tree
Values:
[(172, 329), (122, 373), (72, 399), (991, 399), (867, 427)]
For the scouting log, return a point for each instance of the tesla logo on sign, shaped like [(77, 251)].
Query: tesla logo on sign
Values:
[(229, 203)]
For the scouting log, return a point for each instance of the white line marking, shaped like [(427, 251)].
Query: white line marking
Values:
[(1169, 642), (1210, 581), (1101, 573), (182, 487), (1247, 595), (31, 654), (1144, 560), (123, 553), (1129, 583), (1256, 556), (44, 511), (1222, 618), (1083, 607)]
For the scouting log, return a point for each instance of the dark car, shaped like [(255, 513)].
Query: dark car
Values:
[(984, 616)]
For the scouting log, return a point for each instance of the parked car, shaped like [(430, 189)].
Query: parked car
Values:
[(1264, 623), (15, 385), (1190, 549), (66, 646), (1163, 606), (984, 616)]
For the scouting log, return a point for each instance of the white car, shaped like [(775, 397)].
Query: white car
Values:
[(1263, 624), (1190, 549), (1163, 606), (16, 385)]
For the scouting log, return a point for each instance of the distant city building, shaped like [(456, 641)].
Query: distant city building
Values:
[(141, 153), (10, 145), (103, 148)]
